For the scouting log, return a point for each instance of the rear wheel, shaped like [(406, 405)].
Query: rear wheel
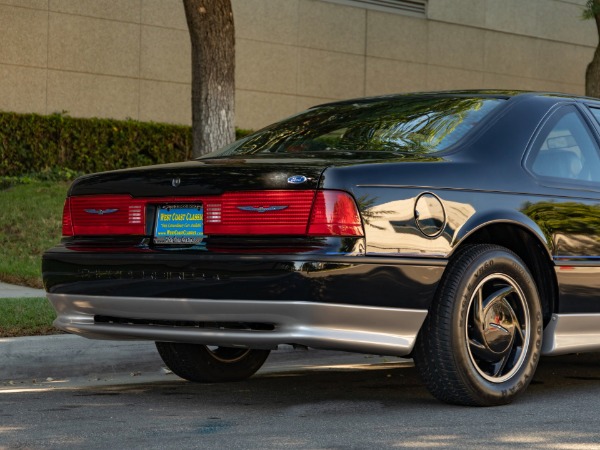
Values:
[(204, 364), (482, 339)]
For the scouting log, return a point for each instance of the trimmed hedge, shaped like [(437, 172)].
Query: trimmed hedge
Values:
[(33, 144)]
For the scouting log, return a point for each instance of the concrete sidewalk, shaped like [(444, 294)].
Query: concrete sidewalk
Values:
[(14, 291)]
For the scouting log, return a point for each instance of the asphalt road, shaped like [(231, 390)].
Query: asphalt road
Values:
[(301, 400)]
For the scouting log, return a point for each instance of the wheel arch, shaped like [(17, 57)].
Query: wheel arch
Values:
[(522, 236)]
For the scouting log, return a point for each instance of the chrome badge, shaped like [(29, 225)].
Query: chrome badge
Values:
[(175, 181), (297, 179), (262, 209), (101, 212)]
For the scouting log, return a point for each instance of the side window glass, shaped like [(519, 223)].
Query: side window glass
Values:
[(566, 149)]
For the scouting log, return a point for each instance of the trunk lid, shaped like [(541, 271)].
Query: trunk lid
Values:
[(204, 177)]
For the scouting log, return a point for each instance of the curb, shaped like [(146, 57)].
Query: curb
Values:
[(68, 356), (72, 356)]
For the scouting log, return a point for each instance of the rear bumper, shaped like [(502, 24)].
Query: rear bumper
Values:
[(354, 303), (386, 331)]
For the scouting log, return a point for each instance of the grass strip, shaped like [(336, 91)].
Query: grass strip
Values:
[(26, 317), (30, 223)]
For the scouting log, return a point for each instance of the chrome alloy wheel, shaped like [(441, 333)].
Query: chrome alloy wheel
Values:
[(498, 328)]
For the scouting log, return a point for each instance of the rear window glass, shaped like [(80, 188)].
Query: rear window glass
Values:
[(412, 125)]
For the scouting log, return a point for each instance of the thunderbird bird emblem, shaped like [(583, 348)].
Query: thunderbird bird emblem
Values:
[(262, 209), (101, 212)]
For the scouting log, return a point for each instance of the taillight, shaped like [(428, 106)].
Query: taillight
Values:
[(95, 215), (292, 213), (258, 213), (67, 222), (334, 213)]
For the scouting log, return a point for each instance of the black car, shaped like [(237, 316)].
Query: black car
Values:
[(461, 229)]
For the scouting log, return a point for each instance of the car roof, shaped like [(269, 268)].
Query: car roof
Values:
[(479, 93)]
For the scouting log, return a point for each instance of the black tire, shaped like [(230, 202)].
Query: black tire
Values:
[(481, 341), (202, 364)]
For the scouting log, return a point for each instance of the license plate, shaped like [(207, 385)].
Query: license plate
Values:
[(179, 224)]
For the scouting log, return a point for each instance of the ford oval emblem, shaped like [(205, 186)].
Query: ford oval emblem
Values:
[(297, 179)]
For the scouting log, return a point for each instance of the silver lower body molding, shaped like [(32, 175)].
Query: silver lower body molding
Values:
[(385, 331), (572, 333)]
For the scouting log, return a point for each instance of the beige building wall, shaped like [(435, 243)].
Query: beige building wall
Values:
[(130, 58)]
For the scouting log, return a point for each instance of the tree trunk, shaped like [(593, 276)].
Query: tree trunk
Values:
[(592, 74), (210, 24)]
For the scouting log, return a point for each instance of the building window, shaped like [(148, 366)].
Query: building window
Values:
[(417, 8)]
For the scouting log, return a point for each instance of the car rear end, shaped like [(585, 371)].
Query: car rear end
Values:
[(237, 260)]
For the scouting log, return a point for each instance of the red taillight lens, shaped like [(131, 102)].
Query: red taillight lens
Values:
[(258, 213), (107, 214), (292, 213), (334, 213), (67, 222)]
